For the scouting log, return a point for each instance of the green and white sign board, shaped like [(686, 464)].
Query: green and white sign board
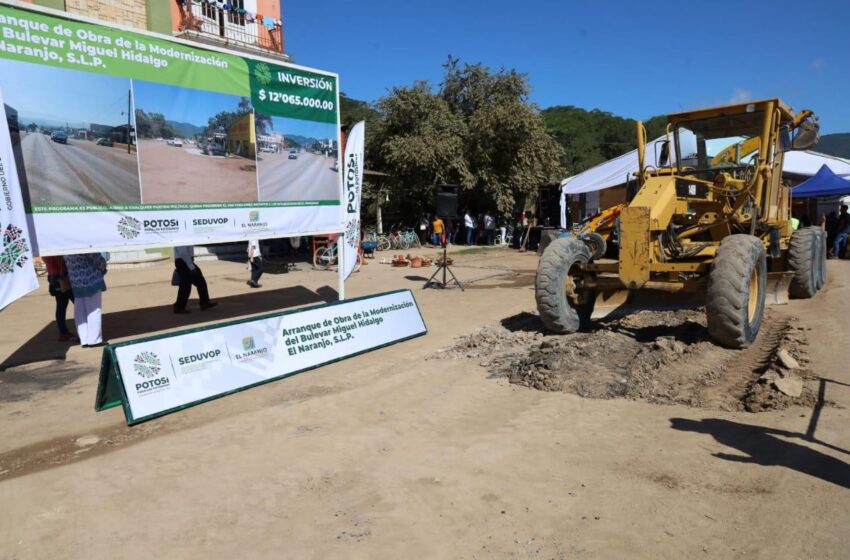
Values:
[(153, 141), (158, 375)]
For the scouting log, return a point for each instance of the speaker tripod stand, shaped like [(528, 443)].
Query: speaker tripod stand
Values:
[(444, 267)]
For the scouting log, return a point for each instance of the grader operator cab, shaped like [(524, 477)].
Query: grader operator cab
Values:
[(714, 220)]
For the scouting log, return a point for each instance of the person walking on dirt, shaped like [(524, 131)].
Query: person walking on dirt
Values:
[(59, 287), (843, 229), (255, 259), (438, 229), (188, 275)]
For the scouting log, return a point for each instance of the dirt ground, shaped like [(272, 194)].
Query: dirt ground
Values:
[(641, 443), (184, 174)]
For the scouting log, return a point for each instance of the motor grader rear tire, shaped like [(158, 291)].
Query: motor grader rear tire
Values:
[(555, 277), (737, 286), (803, 261)]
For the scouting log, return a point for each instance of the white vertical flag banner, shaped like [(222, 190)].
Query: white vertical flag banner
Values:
[(353, 181), (17, 273)]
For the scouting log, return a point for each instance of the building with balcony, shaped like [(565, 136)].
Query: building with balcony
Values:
[(249, 26)]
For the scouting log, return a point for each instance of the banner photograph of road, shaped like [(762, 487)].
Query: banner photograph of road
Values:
[(194, 146), (70, 133), (297, 160)]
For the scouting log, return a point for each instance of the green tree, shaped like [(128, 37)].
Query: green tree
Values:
[(153, 125), (478, 130)]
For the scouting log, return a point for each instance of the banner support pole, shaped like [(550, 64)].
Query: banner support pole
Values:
[(340, 261)]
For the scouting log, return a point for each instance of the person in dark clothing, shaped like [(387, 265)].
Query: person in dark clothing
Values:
[(59, 287), (830, 224), (842, 233), (190, 275)]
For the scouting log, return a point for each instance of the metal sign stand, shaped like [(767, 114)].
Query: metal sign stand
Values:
[(444, 266)]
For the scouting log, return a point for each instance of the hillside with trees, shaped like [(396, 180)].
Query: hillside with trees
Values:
[(834, 144), (589, 138)]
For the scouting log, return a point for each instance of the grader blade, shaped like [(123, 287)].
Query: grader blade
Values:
[(608, 302), (778, 284)]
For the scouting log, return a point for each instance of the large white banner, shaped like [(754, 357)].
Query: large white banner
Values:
[(17, 273), (152, 141), (161, 375), (353, 180)]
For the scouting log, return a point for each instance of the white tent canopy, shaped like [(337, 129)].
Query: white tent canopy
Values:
[(622, 169)]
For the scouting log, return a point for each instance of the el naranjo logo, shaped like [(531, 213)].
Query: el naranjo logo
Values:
[(147, 364), (14, 250), (263, 73), (248, 343), (129, 227)]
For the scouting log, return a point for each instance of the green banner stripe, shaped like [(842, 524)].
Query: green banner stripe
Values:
[(64, 43), (178, 206)]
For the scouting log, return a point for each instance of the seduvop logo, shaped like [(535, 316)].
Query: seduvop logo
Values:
[(209, 224), (147, 365), (196, 362), (250, 350), (14, 250)]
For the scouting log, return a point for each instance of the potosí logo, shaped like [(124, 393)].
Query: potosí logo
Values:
[(161, 225), (14, 250), (129, 227), (147, 366)]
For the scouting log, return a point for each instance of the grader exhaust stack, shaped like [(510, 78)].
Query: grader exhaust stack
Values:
[(716, 225)]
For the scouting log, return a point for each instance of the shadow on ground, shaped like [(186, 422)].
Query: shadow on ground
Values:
[(760, 445), (134, 322)]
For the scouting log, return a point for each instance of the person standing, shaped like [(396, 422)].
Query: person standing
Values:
[(469, 225), (60, 288), (85, 273), (439, 229), (489, 228), (842, 232), (255, 258), (189, 275)]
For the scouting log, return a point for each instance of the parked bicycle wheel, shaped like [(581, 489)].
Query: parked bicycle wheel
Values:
[(324, 258), (384, 243)]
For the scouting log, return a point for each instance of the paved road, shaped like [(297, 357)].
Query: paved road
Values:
[(79, 172), (310, 177)]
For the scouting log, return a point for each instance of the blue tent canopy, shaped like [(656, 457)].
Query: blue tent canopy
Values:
[(824, 183)]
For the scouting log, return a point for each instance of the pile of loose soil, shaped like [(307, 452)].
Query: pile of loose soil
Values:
[(661, 357)]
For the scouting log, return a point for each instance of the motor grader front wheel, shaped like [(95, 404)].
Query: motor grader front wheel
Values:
[(737, 285), (564, 305)]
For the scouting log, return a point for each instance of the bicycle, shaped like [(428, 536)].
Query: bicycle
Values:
[(325, 258), (509, 235), (412, 239), (396, 240)]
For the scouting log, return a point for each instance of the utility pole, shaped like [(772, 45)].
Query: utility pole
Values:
[(129, 117)]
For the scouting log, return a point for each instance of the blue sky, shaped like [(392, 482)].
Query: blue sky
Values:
[(53, 96), (182, 104), (635, 59)]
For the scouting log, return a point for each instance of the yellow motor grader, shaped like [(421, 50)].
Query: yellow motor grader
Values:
[(715, 223)]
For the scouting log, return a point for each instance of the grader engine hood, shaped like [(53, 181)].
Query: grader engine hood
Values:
[(648, 213)]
